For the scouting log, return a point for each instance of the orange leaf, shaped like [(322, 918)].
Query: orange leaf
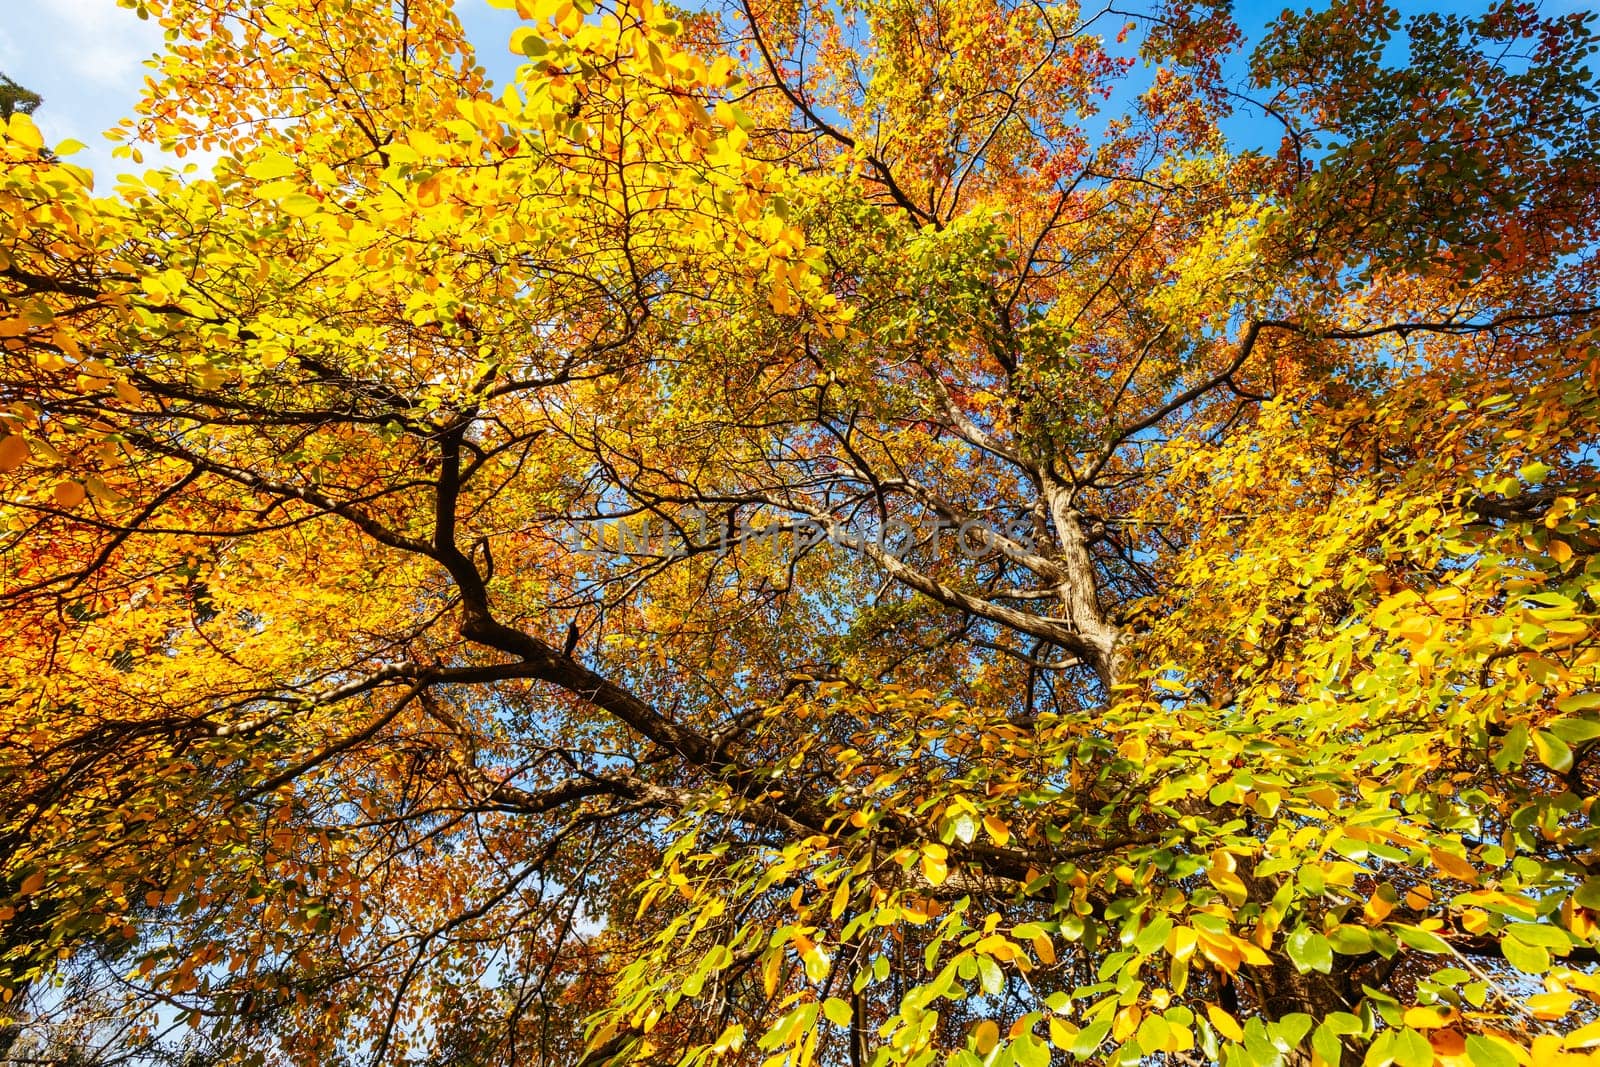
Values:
[(68, 494), (13, 451)]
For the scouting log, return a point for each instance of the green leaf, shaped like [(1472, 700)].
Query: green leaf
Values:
[(529, 42), (1587, 895), (1309, 951), (1579, 702), (1350, 940), (1486, 1053), (990, 976), (1090, 1038), (1326, 1042), (1289, 1031), (1153, 1032), (1513, 749), (1420, 940), (1153, 937), (837, 1011), (1540, 934), (1575, 731), (1534, 959), (1552, 751), (1029, 1051), (1411, 1049), (1259, 1046)]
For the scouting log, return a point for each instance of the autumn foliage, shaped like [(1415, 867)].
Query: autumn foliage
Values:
[(854, 533)]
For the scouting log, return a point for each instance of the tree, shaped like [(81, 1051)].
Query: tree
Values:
[(847, 533), (14, 99)]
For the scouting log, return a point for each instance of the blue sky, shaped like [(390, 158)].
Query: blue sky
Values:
[(85, 57)]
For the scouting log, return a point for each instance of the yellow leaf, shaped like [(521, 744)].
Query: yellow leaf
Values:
[(1181, 942), (1419, 898), (1325, 795), (68, 344), (24, 132), (278, 190), (1544, 1050), (271, 167), (841, 898), (101, 491), (996, 946), (1454, 866), (31, 884), (1219, 950), (717, 76), (1583, 1037), (781, 299), (1251, 954), (1044, 948), (1422, 1018), (998, 830), (1416, 629), (1062, 1033), (1226, 1025), (770, 969), (985, 1036), (1231, 885), (934, 867), (817, 964), (732, 1039), (1550, 1006), (299, 205)]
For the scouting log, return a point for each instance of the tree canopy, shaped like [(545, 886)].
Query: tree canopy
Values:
[(871, 532), (14, 98)]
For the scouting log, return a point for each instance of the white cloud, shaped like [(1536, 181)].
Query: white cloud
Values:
[(85, 57), (112, 43)]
